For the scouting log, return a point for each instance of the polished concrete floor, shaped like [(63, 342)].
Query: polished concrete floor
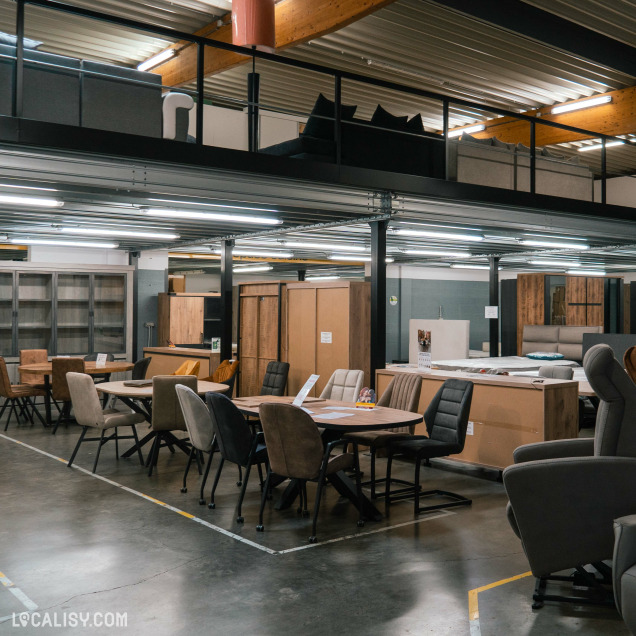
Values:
[(127, 543)]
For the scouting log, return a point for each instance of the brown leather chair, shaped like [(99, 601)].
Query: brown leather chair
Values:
[(33, 356), (629, 362), (167, 415), (59, 386), (225, 373), (403, 393), (296, 450), (17, 397)]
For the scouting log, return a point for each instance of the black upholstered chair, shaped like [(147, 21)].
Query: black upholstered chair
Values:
[(275, 378), (446, 421), (236, 443), (140, 368)]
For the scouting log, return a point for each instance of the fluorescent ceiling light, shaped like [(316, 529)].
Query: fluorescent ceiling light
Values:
[(437, 253), (213, 216), (555, 263), (555, 244), (226, 206), (155, 60), (257, 252), (609, 144), (587, 272), (464, 266), (34, 201), (187, 255), (109, 233), (319, 278), (64, 243), (441, 235), (357, 259), (325, 246), (23, 187), (248, 270), (4, 237), (586, 103), (468, 130)]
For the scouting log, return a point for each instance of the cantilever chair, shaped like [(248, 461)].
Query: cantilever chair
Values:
[(565, 494), (17, 397), (344, 385), (446, 421), (89, 414), (403, 393), (296, 450), (59, 386), (624, 569)]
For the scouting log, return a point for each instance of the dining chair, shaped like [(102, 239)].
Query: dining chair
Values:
[(88, 412), (446, 421), (140, 368), (295, 449), (403, 393), (167, 415), (99, 377), (59, 386), (225, 373), (33, 356), (189, 367), (236, 443), (344, 385), (275, 378), (18, 397)]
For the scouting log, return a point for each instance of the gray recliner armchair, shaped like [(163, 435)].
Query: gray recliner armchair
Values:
[(624, 569), (565, 494)]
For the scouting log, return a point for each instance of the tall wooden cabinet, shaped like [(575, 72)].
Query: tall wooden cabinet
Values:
[(262, 331), (186, 318), (328, 328)]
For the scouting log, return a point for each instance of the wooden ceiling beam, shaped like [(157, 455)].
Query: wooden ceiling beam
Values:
[(297, 21)]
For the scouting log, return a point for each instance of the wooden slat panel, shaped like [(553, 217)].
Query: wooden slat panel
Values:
[(596, 295), (301, 329), (249, 327), (360, 329), (249, 384), (530, 303), (268, 327), (575, 300)]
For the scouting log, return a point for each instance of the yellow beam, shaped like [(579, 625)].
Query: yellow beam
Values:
[(297, 21), (261, 259)]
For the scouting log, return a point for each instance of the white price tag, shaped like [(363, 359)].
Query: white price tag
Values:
[(304, 392), (470, 429), (326, 337), (101, 360)]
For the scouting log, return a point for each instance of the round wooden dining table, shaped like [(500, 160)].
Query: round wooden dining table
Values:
[(46, 369)]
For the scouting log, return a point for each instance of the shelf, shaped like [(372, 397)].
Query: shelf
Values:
[(108, 327), (73, 300), (82, 326), (109, 300), (34, 300)]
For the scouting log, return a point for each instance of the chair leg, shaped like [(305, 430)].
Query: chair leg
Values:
[(11, 410), (212, 505), (387, 496), (136, 438), (64, 414), (116, 443), (26, 412), (356, 467), (4, 406), (154, 454), (184, 488), (260, 527), (418, 465), (248, 468), (79, 441), (321, 482), (99, 450), (35, 410), (205, 477), (239, 483), (373, 495)]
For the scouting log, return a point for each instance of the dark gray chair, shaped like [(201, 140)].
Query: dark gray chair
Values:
[(275, 379), (99, 377), (236, 442), (624, 569), (140, 368), (565, 494), (446, 421)]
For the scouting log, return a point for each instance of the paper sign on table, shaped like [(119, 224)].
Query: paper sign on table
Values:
[(302, 394), (336, 415), (100, 361)]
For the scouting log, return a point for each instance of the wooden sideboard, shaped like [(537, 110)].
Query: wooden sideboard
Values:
[(506, 412)]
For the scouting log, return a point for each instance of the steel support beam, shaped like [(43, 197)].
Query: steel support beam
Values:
[(493, 301), (253, 97), (226, 299), (377, 346)]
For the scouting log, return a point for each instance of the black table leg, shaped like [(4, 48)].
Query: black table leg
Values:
[(347, 489), (47, 400)]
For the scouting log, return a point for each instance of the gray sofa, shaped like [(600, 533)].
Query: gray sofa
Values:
[(567, 340), (66, 90)]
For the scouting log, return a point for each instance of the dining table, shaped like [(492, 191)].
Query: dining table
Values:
[(90, 367), (337, 418)]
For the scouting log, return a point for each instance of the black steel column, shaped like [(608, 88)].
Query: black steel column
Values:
[(253, 96), (603, 171), (226, 299), (301, 274), (377, 346), (200, 92), (493, 301), (18, 78), (446, 116), (533, 158)]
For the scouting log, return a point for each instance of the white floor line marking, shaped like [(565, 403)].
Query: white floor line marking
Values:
[(207, 524), (18, 593)]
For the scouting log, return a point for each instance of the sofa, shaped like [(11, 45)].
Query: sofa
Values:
[(566, 340), (65, 90)]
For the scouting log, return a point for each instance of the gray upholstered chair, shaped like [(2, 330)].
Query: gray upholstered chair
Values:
[(344, 385), (296, 450), (624, 569), (200, 430), (167, 415), (275, 378), (565, 494), (403, 393), (446, 422), (140, 368), (556, 372), (89, 414)]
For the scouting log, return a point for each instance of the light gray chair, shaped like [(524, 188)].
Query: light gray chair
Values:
[(565, 494), (624, 569), (344, 385), (89, 414), (556, 372)]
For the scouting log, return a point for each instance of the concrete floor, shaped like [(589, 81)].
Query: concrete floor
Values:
[(70, 542)]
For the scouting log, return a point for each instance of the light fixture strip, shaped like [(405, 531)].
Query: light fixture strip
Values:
[(258, 253), (586, 103), (212, 216), (38, 202), (113, 233), (609, 144), (226, 206), (29, 241), (468, 130), (155, 60), (555, 245), (476, 238)]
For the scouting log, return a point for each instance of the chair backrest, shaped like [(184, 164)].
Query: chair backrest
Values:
[(447, 415), (92, 357), (189, 367), (294, 445), (403, 393), (615, 424), (86, 405), (344, 385), (275, 378), (225, 371), (166, 410), (557, 372), (629, 360), (5, 383), (60, 367), (232, 431), (140, 368), (32, 356), (197, 418)]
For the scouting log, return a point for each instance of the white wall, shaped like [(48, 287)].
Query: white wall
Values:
[(620, 191), (74, 255), (153, 260)]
